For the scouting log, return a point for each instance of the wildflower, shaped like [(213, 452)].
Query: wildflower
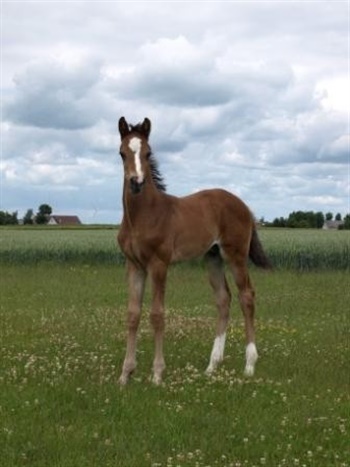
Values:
[(342, 428)]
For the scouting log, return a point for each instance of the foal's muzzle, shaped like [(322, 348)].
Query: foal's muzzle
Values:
[(135, 186)]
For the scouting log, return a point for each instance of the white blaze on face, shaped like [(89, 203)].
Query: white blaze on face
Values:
[(135, 146)]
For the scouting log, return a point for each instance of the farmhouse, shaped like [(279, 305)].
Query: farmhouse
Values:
[(332, 225), (64, 220)]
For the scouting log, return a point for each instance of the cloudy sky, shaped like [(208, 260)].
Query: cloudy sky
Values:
[(251, 96)]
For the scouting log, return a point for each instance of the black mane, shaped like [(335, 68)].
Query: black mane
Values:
[(156, 175)]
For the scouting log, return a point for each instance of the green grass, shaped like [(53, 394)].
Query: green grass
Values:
[(301, 250), (307, 249), (62, 346), (30, 246)]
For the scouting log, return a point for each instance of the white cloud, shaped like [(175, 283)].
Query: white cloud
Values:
[(55, 93), (250, 97), (334, 93)]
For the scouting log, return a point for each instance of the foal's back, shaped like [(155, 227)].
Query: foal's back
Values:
[(207, 218)]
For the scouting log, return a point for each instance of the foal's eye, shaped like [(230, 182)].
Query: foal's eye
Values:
[(122, 155), (148, 155)]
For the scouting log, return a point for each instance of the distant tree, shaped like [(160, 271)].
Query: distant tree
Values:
[(319, 218), (43, 214), (296, 219), (346, 222), (8, 219), (305, 219), (28, 217), (3, 217), (279, 222), (329, 216), (338, 217)]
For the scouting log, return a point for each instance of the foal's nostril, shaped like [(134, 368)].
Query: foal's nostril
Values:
[(135, 185)]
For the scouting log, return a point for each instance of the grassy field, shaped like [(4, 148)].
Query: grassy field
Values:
[(301, 250), (62, 346)]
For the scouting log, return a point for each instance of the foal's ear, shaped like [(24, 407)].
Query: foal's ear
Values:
[(123, 127), (146, 127)]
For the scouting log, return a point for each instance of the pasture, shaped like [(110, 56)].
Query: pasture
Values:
[(62, 314), (292, 249)]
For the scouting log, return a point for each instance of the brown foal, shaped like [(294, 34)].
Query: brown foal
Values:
[(159, 229)]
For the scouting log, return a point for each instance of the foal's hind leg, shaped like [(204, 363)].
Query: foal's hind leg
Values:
[(223, 300), (247, 302), (136, 279)]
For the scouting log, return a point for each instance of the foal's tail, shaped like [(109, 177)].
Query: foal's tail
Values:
[(256, 252)]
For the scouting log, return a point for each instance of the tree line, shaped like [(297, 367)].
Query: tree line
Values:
[(309, 220), (41, 217), (296, 219)]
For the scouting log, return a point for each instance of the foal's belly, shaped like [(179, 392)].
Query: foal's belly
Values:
[(191, 245)]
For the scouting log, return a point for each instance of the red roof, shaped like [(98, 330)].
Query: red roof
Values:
[(65, 220)]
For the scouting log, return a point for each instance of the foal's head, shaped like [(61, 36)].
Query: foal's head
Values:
[(135, 152)]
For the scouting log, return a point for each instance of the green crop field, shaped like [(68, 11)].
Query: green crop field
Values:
[(62, 342), (301, 250)]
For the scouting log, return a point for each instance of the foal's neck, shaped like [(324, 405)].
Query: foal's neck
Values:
[(140, 207)]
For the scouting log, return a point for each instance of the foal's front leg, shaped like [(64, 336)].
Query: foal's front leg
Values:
[(158, 271), (136, 279)]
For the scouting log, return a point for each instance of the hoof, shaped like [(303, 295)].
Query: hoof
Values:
[(210, 370), (123, 380), (249, 371), (124, 377), (156, 380)]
